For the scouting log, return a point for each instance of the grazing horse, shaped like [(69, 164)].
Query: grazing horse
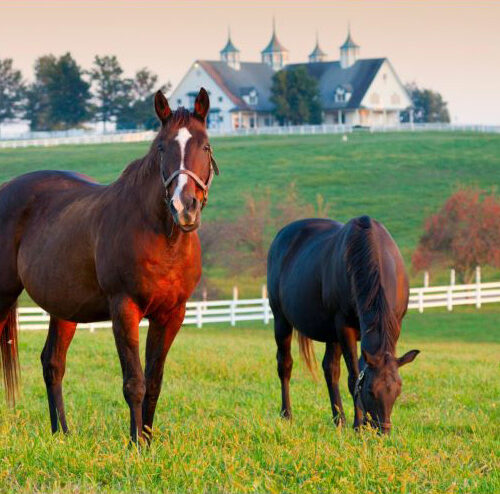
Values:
[(87, 252), (339, 284)]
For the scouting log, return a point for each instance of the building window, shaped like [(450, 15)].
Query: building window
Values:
[(179, 101), (395, 99), (342, 95), (375, 98), (220, 99)]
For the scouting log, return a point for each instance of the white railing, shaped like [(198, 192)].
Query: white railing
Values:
[(57, 139), (233, 310)]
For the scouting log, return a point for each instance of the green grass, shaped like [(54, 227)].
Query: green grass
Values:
[(398, 178), (217, 424)]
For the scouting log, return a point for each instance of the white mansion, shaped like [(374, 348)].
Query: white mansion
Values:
[(353, 90)]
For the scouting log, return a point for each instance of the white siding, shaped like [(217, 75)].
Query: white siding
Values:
[(386, 93), (196, 78)]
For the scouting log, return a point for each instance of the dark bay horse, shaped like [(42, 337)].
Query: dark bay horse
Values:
[(338, 284), (88, 252)]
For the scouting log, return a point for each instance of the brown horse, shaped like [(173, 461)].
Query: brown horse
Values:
[(337, 284), (87, 252)]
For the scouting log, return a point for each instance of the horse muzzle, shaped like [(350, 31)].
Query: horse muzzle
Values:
[(186, 218)]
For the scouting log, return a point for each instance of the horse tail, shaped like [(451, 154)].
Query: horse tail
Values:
[(363, 261), (10, 357), (306, 351)]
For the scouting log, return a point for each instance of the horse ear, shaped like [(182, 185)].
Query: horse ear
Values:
[(372, 360), (202, 105), (407, 357), (161, 106)]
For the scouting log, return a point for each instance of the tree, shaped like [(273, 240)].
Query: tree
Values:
[(111, 89), (138, 112), (295, 95), (12, 91), (465, 233), (59, 97), (428, 106)]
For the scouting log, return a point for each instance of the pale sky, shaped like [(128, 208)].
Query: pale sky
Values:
[(449, 46)]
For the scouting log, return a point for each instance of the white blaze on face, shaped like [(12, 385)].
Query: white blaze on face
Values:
[(182, 138)]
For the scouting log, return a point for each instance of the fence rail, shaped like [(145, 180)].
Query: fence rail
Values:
[(233, 310), (56, 139)]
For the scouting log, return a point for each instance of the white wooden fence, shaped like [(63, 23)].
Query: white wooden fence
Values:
[(257, 309), (75, 137)]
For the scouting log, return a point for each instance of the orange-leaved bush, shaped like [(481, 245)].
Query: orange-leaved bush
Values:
[(465, 233)]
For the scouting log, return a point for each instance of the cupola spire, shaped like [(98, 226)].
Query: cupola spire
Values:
[(230, 54), (317, 55), (349, 51), (275, 54)]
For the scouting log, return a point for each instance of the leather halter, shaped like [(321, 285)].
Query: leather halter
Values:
[(214, 169), (359, 402)]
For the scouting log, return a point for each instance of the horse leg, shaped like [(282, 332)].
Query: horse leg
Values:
[(283, 333), (161, 335), (125, 316), (348, 341), (53, 359), (331, 369)]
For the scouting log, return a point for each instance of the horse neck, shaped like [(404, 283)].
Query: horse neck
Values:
[(140, 186)]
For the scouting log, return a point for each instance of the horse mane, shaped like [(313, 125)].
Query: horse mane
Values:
[(142, 168), (363, 264)]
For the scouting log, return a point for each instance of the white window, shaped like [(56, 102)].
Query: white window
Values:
[(342, 95)]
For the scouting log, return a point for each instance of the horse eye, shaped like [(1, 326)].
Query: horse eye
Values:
[(206, 147)]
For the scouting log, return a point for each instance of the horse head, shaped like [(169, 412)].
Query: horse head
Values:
[(378, 386), (187, 165)]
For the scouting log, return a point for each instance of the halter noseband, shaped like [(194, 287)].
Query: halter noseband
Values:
[(214, 169), (357, 396)]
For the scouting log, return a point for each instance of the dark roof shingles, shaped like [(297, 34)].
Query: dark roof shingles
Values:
[(250, 75), (330, 75)]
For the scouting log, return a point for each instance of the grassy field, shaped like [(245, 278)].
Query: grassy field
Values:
[(398, 178), (218, 428)]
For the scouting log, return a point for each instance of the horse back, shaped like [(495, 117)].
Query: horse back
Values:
[(297, 260)]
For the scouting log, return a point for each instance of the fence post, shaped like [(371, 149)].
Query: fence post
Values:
[(450, 289), (265, 304), (92, 327), (234, 302), (199, 315), (478, 287), (426, 279), (421, 300)]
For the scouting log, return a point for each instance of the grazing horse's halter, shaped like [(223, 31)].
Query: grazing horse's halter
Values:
[(357, 396), (199, 182)]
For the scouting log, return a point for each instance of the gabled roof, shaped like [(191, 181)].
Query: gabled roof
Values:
[(330, 75), (236, 83)]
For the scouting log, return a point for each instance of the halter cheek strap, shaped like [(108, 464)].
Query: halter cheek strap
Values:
[(214, 169), (204, 187)]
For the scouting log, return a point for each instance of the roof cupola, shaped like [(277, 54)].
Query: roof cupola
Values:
[(230, 54), (348, 51), (275, 54)]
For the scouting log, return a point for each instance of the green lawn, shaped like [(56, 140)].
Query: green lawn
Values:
[(218, 428), (398, 178)]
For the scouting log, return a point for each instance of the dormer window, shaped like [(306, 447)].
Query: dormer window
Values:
[(342, 94), (250, 96)]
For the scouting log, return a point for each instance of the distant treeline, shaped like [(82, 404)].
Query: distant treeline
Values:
[(64, 96)]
